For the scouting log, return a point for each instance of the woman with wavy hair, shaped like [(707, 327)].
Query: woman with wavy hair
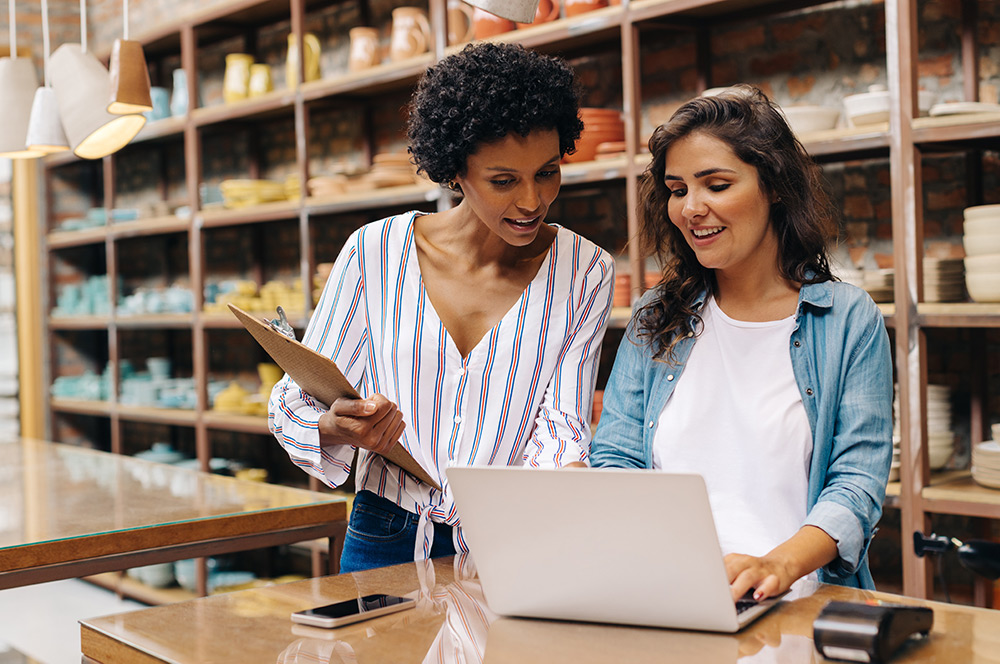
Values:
[(473, 333), (749, 363)]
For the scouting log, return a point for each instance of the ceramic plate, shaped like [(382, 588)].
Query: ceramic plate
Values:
[(961, 107)]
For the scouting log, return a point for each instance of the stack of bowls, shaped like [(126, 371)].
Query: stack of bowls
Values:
[(940, 438), (982, 251), (943, 280), (872, 107), (986, 461), (600, 125), (806, 119), (879, 284)]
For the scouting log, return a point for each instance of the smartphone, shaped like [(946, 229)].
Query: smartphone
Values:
[(353, 610)]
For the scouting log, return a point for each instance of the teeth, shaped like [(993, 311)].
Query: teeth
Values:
[(523, 222), (705, 232)]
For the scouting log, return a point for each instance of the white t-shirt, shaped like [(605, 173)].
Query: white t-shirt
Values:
[(736, 418)]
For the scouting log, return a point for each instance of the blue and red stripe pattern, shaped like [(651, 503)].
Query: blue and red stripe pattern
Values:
[(523, 395)]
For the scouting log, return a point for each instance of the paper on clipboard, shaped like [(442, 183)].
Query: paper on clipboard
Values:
[(319, 377)]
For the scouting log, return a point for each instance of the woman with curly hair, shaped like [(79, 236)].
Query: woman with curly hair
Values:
[(473, 333), (749, 364)]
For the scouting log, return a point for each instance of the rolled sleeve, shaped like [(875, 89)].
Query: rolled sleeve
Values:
[(841, 524)]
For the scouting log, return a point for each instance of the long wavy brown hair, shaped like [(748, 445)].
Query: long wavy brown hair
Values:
[(750, 124)]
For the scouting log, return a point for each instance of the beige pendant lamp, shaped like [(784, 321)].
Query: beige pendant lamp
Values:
[(83, 88), (129, 74), (17, 87), (45, 130), (521, 11)]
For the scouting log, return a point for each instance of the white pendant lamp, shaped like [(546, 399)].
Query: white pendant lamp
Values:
[(45, 130), (17, 87), (129, 75), (83, 88)]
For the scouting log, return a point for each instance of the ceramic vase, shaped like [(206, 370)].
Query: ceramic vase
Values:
[(179, 102), (236, 81)]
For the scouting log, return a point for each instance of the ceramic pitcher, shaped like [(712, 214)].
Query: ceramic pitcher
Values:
[(312, 53), (460, 25), (364, 50), (411, 33), (236, 81), (260, 79)]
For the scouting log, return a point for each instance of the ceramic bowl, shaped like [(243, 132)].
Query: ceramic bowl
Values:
[(981, 244), (807, 119), (983, 287), (938, 457), (984, 264), (981, 225), (982, 212), (872, 107)]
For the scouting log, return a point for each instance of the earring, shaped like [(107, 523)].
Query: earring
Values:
[(452, 185)]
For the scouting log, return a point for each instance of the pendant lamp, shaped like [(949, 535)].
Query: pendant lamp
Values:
[(520, 11), (83, 88), (129, 74), (17, 87), (45, 130)]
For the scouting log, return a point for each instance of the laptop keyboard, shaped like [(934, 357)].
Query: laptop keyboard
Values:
[(745, 602)]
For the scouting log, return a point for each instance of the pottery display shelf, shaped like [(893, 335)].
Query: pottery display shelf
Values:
[(67, 512)]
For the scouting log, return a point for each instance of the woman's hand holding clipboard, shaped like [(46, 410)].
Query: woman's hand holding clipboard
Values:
[(319, 377)]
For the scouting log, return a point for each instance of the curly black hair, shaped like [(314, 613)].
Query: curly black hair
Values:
[(483, 93)]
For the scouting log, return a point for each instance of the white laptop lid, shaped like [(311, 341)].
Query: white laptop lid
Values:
[(635, 547)]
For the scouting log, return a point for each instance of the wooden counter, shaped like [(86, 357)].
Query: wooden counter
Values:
[(66, 511), (452, 623)]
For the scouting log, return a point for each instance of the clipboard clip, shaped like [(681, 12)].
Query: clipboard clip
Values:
[(281, 325)]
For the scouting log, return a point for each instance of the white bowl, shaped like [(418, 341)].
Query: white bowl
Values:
[(982, 225), (938, 457), (807, 119), (981, 244), (984, 264), (872, 107), (983, 287), (982, 212)]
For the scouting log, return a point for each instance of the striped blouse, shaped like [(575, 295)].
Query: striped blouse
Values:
[(523, 395)]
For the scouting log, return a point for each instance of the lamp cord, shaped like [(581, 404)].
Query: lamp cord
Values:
[(944, 584), (13, 29), (45, 41), (83, 25)]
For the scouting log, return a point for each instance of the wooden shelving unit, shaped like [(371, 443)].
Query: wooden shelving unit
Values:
[(620, 30)]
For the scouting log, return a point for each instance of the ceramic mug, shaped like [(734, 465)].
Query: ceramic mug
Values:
[(461, 27), (490, 25), (411, 33), (260, 80), (236, 80), (548, 10), (364, 50), (161, 104)]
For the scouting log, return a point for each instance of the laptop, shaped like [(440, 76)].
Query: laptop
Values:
[(632, 547)]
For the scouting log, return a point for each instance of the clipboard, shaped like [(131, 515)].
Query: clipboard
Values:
[(319, 377)]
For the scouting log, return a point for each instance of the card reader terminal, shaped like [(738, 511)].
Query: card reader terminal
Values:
[(868, 632)]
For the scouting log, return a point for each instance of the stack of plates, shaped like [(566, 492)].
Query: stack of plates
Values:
[(940, 438), (392, 169), (241, 193), (327, 185), (982, 250), (879, 284), (944, 280), (986, 464)]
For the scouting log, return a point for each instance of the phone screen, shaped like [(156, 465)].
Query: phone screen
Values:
[(355, 606)]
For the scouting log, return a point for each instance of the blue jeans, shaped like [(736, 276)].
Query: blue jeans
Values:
[(381, 533)]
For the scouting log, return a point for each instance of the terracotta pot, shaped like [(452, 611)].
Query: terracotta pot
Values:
[(576, 7), (548, 10), (486, 25)]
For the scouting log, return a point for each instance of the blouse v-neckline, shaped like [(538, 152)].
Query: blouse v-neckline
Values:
[(517, 305)]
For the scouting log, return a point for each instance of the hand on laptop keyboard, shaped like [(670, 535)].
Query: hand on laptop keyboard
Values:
[(745, 602)]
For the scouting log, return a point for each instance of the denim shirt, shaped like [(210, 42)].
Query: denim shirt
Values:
[(842, 364)]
